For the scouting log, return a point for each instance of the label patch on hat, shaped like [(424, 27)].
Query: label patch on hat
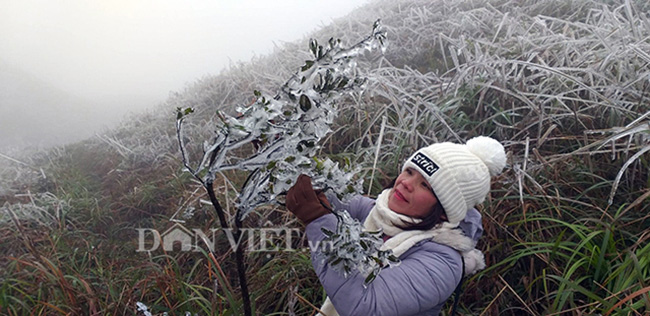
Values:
[(427, 165)]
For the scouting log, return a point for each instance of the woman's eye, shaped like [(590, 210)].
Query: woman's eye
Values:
[(408, 170)]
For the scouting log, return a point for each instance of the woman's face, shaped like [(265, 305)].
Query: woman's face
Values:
[(412, 195)]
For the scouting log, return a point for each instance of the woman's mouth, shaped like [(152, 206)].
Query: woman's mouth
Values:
[(398, 195)]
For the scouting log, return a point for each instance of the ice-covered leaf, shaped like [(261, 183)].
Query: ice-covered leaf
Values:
[(305, 103), (351, 249)]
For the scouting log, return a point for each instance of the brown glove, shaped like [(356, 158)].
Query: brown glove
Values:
[(306, 203)]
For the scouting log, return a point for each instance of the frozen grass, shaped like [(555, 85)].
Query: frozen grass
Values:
[(564, 84)]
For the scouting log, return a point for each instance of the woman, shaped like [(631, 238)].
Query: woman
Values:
[(420, 216)]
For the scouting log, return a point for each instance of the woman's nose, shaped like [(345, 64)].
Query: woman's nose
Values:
[(408, 183)]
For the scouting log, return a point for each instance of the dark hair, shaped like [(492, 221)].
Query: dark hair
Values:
[(434, 217)]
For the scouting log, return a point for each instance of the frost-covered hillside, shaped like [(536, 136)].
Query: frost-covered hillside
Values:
[(564, 85)]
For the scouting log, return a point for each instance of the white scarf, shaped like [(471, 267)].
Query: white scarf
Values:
[(381, 217)]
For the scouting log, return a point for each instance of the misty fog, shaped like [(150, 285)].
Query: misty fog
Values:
[(69, 69)]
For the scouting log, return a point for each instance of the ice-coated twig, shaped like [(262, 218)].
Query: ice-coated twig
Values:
[(286, 128), (284, 131)]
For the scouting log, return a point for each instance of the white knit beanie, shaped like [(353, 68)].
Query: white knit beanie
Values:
[(459, 174)]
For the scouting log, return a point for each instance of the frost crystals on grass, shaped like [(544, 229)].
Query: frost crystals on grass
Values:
[(143, 308)]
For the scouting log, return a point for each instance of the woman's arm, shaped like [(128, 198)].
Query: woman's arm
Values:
[(358, 206), (426, 277)]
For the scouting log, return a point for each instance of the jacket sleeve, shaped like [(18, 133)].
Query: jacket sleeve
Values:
[(472, 225), (358, 206), (426, 277)]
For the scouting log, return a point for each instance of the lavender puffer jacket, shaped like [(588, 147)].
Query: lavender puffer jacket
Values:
[(427, 276)]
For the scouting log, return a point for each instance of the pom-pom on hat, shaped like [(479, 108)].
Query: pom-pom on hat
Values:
[(459, 174)]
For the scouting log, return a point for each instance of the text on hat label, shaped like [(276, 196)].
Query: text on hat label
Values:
[(423, 162)]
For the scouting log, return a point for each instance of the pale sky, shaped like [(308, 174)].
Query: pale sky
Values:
[(69, 68), (146, 48)]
